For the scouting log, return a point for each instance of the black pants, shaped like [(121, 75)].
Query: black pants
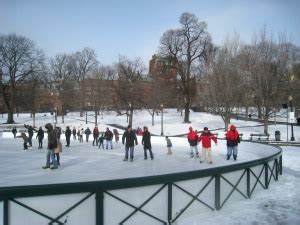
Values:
[(145, 153), (74, 136), (25, 145), (68, 141), (101, 144), (95, 139), (30, 140), (40, 143)]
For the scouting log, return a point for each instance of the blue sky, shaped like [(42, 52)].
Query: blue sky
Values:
[(133, 27)]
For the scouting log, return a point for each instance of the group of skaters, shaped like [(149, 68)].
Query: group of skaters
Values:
[(129, 139)]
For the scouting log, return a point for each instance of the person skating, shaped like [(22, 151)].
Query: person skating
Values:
[(233, 138), (74, 133), (52, 144), (95, 135), (68, 135), (169, 145), (87, 134), (25, 140), (129, 138), (58, 149), (192, 139), (108, 136), (40, 136), (146, 141), (30, 134), (100, 141), (116, 134), (206, 137), (80, 136), (14, 131)]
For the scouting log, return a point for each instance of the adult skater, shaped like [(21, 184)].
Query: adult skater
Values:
[(206, 137), (40, 136), (192, 139), (95, 135), (233, 138), (116, 134), (74, 133), (52, 144), (146, 141), (58, 149), (87, 134), (14, 131), (169, 145), (68, 136), (25, 140), (108, 136), (130, 137), (30, 134)]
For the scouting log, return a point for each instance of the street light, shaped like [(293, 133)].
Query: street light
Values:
[(162, 120), (291, 115)]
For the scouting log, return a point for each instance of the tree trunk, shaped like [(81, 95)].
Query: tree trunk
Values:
[(187, 110), (96, 116), (33, 119), (130, 116), (10, 106), (247, 112)]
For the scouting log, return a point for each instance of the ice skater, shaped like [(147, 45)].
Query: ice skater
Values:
[(25, 139), (74, 133), (233, 138), (95, 136), (169, 145), (130, 137), (146, 141), (52, 144), (206, 137), (14, 131), (87, 134), (192, 139), (40, 136), (68, 136), (108, 136), (100, 141), (30, 134)]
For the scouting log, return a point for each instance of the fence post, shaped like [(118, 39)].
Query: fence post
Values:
[(248, 183), (280, 165), (5, 212), (217, 192), (276, 171), (99, 207), (266, 176), (170, 196)]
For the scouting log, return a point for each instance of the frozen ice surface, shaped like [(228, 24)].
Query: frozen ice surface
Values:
[(84, 162)]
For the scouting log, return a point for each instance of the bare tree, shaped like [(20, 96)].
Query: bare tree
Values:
[(19, 59), (84, 62), (224, 80), (127, 85), (187, 46)]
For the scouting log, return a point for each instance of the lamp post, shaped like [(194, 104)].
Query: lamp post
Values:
[(162, 120), (292, 125)]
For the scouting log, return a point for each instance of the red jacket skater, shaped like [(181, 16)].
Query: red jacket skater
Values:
[(206, 138)]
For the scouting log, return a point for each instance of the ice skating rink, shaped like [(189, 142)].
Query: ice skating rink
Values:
[(83, 162)]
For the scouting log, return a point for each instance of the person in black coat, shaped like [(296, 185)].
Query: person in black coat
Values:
[(108, 136), (40, 136), (68, 136), (74, 133), (30, 134), (14, 131), (87, 134), (130, 138), (146, 141), (52, 144)]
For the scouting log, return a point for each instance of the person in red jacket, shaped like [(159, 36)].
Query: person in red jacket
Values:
[(192, 139), (232, 137), (206, 138)]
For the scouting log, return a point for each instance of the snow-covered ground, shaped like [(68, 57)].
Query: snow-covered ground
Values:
[(172, 123), (82, 162)]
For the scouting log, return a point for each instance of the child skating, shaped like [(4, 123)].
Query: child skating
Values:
[(206, 137), (169, 145)]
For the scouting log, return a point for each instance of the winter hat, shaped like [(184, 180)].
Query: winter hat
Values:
[(190, 128), (205, 128), (232, 127)]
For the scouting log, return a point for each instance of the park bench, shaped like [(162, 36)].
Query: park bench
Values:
[(260, 136)]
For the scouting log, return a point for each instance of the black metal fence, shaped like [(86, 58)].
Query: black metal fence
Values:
[(267, 169)]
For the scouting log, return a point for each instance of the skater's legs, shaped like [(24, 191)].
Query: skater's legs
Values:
[(131, 152), (126, 152)]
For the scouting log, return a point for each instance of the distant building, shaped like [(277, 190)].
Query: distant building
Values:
[(162, 68)]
